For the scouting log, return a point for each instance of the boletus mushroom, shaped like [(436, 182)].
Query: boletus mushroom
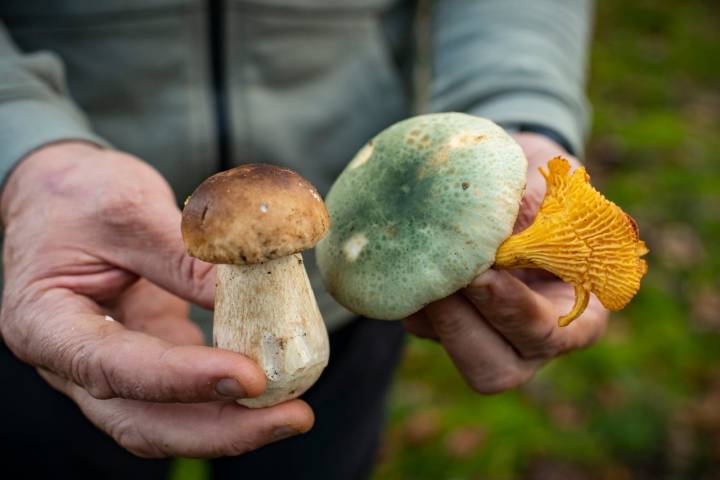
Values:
[(430, 203), (253, 221)]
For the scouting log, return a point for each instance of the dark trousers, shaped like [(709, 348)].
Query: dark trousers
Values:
[(44, 435)]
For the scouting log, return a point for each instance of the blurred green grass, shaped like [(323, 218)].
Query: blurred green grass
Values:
[(644, 403)]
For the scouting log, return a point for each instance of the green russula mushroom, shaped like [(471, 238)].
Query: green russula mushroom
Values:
[(419, 212), (430, 203)]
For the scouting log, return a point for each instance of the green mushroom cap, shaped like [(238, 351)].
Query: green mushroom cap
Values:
[(419, 212)]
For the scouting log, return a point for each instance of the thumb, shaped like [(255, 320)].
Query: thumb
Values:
[(154, 249), (507, 303), (527, 319)]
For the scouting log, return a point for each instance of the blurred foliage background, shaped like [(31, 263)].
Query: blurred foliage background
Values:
[(644, 403)]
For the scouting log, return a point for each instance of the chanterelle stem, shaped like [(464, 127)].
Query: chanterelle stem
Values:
[(267, 311), (581, 237)]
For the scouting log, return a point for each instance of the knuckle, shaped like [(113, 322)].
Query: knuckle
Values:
[(129, 439), (239, 446), (543, 350), (89, 369), (542, 343), (546, 336), (128, 436), (121, 208), (447, 324)]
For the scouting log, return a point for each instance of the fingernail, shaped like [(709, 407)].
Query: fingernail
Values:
[(284, 431), (229, 387)]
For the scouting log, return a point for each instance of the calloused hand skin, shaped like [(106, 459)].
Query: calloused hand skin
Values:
[(92, 232), (503, 327)]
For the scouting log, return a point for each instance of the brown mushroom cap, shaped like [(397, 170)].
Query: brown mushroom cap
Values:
[(252, 214)]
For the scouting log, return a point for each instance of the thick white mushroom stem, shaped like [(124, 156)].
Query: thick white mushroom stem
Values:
[(267, 311)]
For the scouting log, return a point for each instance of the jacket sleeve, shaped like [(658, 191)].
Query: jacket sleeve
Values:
[(35, 107), (517, 62)]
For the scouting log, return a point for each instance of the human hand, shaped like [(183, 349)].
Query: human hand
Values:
[(93, 235), (501, 328)]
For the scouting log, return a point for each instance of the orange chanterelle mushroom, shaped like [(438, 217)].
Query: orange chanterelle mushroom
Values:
[(581, 237), (430, 203)]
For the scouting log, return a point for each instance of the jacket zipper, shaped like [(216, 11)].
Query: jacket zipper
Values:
[(216, 34)]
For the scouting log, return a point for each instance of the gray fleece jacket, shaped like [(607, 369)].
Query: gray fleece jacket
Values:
[(194, 86)]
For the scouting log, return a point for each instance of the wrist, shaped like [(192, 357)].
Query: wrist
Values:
[(549, 133), (539, 148)]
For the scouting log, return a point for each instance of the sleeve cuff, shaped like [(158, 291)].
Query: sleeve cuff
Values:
[(30, 124), (539, 110)]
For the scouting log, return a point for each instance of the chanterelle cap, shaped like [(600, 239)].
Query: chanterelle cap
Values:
[(252, 214), (419, 212)]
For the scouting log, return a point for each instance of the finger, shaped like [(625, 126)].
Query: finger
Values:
[(175, 330), (420, 325), (526, 318), (153, 248), (127, 364), (589, 326), (488, 362), (206, 430), (146, 308), (146, 300), (538, 149), (102, 285), (110, 361)]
